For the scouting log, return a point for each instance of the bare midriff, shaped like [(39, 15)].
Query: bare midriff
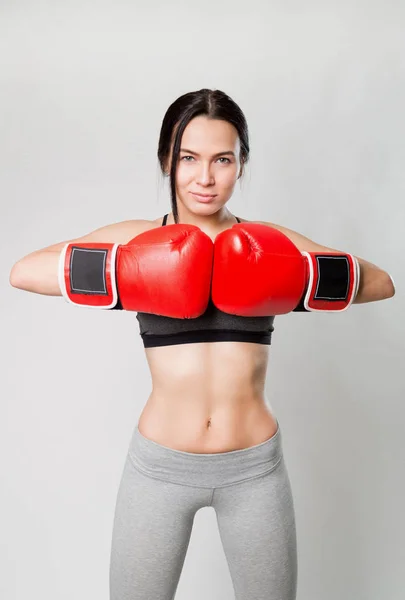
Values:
[(208, 397)]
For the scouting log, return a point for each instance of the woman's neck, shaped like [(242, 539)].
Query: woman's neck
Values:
[(206, 222)]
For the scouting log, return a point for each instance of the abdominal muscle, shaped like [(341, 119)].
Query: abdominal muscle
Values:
[(208, 397)]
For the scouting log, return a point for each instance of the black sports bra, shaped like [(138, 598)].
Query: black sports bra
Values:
[(212, 326)]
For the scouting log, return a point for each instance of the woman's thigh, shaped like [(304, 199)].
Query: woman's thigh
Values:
[(256, 523), (151, 533)]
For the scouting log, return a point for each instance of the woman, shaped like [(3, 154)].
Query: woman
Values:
[(205, 436)]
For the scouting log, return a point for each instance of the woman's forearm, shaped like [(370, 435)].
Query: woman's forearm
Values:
[(375, 284), (37, 272)]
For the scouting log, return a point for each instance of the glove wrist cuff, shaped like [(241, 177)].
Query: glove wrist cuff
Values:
[(87, 274), (332, 282)]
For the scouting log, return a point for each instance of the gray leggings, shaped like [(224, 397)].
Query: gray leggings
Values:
[(160, 492)]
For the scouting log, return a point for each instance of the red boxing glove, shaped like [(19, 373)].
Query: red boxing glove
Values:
[(258, 271), (165, 271)]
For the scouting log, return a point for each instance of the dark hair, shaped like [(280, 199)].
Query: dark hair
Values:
[(213, 103)]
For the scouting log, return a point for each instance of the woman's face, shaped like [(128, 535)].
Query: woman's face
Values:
[(208, 164)]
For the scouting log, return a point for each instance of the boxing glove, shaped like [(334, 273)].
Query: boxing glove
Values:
[(258, 271), (165, 271)]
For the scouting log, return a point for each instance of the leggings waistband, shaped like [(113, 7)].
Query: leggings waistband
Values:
[(204, 470)]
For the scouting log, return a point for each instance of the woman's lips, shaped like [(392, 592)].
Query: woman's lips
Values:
[(203, 198)]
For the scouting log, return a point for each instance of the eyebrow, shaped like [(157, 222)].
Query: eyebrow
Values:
[(214, 155)]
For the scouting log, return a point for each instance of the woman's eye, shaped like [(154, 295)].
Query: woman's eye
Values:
[(221, 158)]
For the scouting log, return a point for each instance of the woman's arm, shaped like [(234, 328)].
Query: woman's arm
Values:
[(38, 271), (375, 284)]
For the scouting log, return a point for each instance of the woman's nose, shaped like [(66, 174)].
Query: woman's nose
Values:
[(204, 175)]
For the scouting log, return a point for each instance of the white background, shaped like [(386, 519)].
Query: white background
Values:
[(83, 90)]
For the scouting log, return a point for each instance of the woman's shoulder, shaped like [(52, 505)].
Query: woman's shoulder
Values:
[(302, 242), (259, 222), (159, 220), (242, 220), (281, 228), (123, 231)]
